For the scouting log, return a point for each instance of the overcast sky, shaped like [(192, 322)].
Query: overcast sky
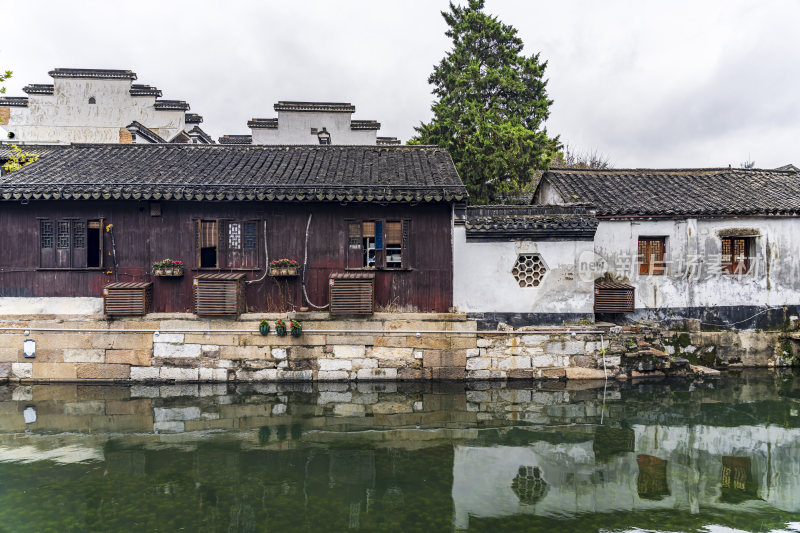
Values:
[(649, 84)]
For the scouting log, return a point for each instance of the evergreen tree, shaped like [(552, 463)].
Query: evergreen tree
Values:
[(491, 103)]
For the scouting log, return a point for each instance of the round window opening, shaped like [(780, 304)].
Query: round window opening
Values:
[(529, 270)]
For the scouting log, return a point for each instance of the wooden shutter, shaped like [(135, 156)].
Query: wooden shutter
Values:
[(63, 244), (47, 243), (406, 237), (353, 247), (79, 247), (651, 256), (250, 243), (102, 250)]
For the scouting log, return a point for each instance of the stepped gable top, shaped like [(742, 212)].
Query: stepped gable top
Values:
[(177, 105), (38, 88), (523, 221), (197, 132), (255, 173), (330, 107), (138, 128), (365, 125), (144, 90), (192, 118), (387, 141), (13, 101), (97, 73), (236, 139), (669, 193), (263, 123)]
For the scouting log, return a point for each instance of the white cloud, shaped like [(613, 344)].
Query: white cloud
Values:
[(657, 83)]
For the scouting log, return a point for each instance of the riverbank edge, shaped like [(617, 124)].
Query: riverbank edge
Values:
[(178, 347)]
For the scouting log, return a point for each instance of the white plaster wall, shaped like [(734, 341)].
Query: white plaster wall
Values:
[(66, 116), (51, 306), (295, 128), (774, 279), (482, 279)]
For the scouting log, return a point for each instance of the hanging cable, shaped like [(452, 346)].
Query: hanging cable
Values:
[(305, 261), (266, 259)]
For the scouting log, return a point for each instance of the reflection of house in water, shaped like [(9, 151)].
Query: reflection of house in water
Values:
[(687, 468)]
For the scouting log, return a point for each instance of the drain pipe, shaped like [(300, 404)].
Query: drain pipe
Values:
[(110, 229), (305, 262)]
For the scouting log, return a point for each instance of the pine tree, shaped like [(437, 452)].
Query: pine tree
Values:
[(491, 104)]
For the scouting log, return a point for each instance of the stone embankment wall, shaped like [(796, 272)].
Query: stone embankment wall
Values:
[(386, 346)]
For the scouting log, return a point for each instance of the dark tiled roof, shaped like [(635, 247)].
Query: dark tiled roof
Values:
[(196, 132), (92, 73), (510, 222), (38, 88), (193, 118), (365, 125), (13, 101), (182, 137), (236, 139), (171, 105), (331, 107), (141, 130), (679, 192), (790, 167), (263, 123), (144, 90), (214, 172), (387, 141)]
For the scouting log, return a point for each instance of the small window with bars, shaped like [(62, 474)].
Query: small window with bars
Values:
[(651, 256), (736, 252)]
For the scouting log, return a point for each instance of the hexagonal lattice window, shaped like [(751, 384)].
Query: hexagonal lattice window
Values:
[(529, 270)]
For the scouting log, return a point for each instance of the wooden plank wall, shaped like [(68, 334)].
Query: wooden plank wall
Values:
[(142, 239)]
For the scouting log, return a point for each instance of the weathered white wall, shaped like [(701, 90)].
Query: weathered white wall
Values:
[(66, 116), (51, 306), (774, 279), (482, 279), (294, 127)]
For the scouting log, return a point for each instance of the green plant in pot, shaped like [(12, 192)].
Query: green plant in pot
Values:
[(297, 328), (263, 327), (280, 327)]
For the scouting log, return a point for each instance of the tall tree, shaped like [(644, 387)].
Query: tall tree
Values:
[(491, 104)]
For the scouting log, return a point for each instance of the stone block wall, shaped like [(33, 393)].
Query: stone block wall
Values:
[(185, 348), (385, 347)]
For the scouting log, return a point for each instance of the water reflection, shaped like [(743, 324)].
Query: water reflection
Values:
[(674, 455)]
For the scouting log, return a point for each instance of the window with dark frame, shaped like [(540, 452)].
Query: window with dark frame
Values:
[(377, 244), (736, 254), (230, 244), (651, 256), (70, 243)]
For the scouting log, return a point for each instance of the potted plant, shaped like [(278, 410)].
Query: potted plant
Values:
[(283, 267), (168, 268), (280, 328), (263, 327), (297, 328)]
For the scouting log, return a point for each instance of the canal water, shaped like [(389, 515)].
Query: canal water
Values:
[(715, 455)]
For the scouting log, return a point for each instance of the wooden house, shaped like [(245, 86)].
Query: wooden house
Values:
[(84, 216)]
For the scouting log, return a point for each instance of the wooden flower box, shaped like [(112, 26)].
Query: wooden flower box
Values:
[(168, 272), (283, 271)]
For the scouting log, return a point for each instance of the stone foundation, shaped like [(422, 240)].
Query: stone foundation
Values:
[(385, 347)]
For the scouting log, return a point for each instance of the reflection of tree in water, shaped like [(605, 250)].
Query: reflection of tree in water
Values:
[(529, 485)]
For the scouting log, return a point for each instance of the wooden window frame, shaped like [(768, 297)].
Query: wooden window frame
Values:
[(650, 252), (223, 258), (728, 251), (355, 251), (75, 258)]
